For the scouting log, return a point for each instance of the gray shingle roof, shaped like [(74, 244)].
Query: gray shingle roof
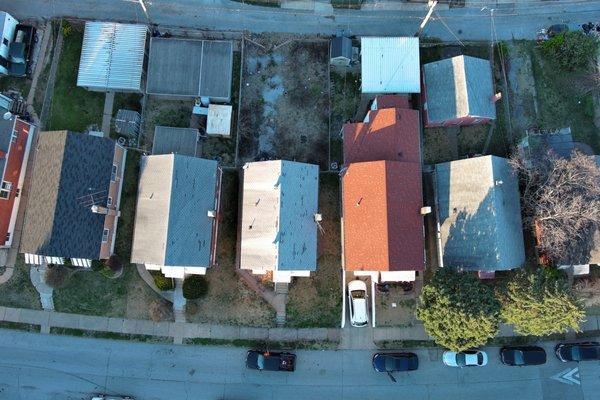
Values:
[(69, 167), (479, 214), (172, 226), (341, 47), (169, 140), (458, 87)]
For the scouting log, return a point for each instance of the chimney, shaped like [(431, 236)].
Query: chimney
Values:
[(103, 210), (496, 97), (318, 217)]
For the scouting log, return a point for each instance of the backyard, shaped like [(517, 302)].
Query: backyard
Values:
[(174, 113), (228, 300), (19, 291), (317, 301), (73, 107), (345, 99), (285, 101)]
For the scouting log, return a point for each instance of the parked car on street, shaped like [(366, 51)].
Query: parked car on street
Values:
[(395, 362), (583, 351), (522, 355), (270, 360), (357, 303), (467, 358)]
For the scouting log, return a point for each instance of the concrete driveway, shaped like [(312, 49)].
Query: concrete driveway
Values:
[(35, 366)]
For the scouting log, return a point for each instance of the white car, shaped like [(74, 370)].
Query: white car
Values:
[(357, 303), (468, 358)]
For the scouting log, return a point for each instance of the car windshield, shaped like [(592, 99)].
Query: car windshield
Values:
[(461, 359), (479, 358), (260, 361), (358, 294)]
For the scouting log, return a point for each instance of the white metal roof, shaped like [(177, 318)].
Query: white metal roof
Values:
[(112, 56), (390, 65)]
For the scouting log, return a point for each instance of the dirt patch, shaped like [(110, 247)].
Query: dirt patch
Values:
[(175, 113), (523, 104), (471, 139), (285, 102), (395, 308), (317, 301), (438, 146), (229, 301)]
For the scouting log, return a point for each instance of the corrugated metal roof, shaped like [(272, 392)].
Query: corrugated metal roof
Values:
[(278, 229), (458, 87), (390, 65), (479, 214), (169, 140), (112, 56)]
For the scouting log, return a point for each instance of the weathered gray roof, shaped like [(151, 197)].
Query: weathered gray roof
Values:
[(341, 46), (479, 214), (169, 140), (172, 226), (458, 87), (71, 172), (278, 229), (190, 68)]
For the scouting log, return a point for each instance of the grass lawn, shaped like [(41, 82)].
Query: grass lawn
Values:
[(345, 98), (128, 203), (19, 291), (90, 293), (229, 301), (561, 103), (317, 301), (73, 107), (224, 148)]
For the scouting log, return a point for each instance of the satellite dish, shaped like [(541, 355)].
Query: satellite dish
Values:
[(7, 115)]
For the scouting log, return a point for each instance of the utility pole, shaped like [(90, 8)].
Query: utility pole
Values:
[(431, 5), (144, 9)]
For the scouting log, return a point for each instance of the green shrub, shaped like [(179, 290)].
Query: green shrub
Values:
[(194, 287), (57, 276), (162, 282), (97, 265), (571, 51)]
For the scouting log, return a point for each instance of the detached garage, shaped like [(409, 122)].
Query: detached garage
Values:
[(112, 57), (183, 68)]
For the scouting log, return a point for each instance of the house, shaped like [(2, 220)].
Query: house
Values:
[(73, 203), (279, 219), (458, 91), (390, 65), (169, 140), (340, 51), (186, 68), (389, 134), (381, 220), (15, 142), (479, 215), (8, 26), (112, 57), (176, 221)]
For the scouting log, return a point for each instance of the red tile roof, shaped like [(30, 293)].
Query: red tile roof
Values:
[(392, 101), (16, 155), (391, 134), (383, 226)]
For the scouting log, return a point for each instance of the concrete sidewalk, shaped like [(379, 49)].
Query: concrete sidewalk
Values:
[(185, 330)]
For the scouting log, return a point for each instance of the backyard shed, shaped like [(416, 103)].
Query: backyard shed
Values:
[(218, 122), (390, 65), (479, 214), (341, 51), (183, 68), (458, 91), (176, 216), (170, 140), (279, 219), (112, 57), (127, 122)]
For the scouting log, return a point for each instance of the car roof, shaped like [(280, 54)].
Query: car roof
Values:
[(360, 310)]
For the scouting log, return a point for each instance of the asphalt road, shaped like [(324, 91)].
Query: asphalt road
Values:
[(520, 19), (35, 366)]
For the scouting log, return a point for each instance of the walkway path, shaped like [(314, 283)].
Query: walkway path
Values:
[(185, 330), (37, 275), (109, 100)]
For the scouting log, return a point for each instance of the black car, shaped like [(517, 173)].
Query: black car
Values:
[(557, 29), (522, 355), (583, 351), (270, 360), (395, 362)]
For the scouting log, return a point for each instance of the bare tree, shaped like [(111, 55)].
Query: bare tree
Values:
[(562, 197)]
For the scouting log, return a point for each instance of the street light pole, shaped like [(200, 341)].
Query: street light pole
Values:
[(432, 5)]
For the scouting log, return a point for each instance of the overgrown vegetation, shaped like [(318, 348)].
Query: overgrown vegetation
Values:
[(345, 99), (195, 287), (541, 303), (110, 335), (350, 4), (73, 107), (128, 202), (162, 282), (571, 51), (458, 310)]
